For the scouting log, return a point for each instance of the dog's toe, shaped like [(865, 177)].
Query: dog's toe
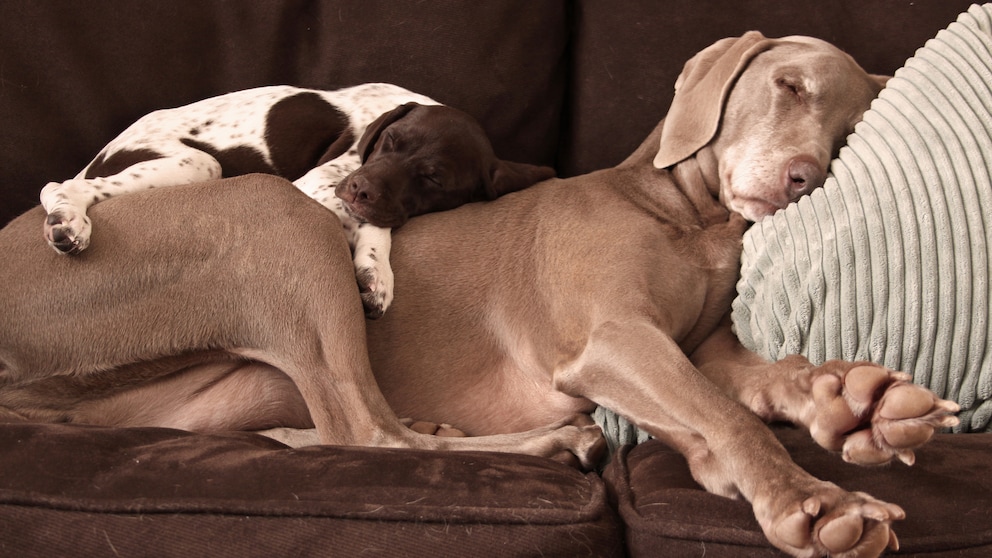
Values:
[(373, 304), (586, 445), (433, 428)]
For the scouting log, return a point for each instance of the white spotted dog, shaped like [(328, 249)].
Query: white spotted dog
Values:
[(374, 154)]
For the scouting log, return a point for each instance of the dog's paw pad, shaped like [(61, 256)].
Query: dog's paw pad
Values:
[(831, 521), (862, 529), (794, 530), (874, 414), (905, 401), (841, 534), (862, 385), (834, 415), (860, 448)]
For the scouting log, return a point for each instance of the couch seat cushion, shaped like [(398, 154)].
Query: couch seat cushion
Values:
[(70, 490), (947, 496)]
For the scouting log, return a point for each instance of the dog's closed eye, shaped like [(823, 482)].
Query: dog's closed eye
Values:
[(433, 180), (792, 86), (432, 176), (388, 142)]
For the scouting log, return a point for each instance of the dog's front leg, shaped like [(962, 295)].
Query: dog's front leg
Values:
[(870, 413), (370, 245), (372, 269), (639, 372)]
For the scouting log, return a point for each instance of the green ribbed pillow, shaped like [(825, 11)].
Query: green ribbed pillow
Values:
[(890, 260)]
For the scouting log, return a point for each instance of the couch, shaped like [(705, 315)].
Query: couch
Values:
[(572, 84)]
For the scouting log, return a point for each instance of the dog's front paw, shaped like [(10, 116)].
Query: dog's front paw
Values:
[(375, 283), (826, 520), (873, 414), (66, 232), (67, 228), (376, 288)]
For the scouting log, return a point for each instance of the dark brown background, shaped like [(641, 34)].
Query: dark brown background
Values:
[(575, 85)]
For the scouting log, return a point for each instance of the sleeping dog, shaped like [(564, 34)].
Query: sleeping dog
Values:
[(374, 154), (515, 317)]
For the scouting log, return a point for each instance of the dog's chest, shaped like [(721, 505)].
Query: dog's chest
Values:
[(690, 275)]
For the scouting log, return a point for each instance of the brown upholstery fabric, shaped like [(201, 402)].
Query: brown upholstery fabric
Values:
[(69, 490), (947, 496), (576, 85)]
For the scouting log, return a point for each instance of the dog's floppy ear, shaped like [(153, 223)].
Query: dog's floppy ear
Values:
[(700, 92), (372, 133), (507, 176)]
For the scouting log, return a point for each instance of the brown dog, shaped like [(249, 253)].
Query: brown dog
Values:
[(243, 316), (612, 289), (512, 315)]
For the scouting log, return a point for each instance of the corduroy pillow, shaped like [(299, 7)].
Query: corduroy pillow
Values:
[(890, 260)]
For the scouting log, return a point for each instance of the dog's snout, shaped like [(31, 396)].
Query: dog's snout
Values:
[(804, 175), (357, 190)]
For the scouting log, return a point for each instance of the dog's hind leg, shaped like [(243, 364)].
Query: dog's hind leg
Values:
[(315, 334), (575, 442), (67, 227), (306, 320), (299, 437)]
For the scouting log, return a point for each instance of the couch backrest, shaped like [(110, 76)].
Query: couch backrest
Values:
[(74, 74), (627, 55), (575, 84)]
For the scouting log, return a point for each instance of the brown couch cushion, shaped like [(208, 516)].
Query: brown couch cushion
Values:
[(947, 496), (70, 490), (74, 75)]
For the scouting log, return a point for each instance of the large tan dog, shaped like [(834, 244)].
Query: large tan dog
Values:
[(607, 289), (613, 289)]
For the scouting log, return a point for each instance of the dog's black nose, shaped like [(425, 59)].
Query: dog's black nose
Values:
[(803, 176)]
